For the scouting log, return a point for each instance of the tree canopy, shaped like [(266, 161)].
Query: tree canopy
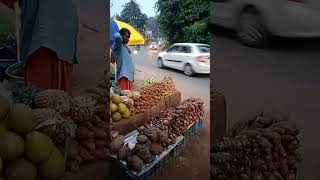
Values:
[(184, 21), (132, 14)]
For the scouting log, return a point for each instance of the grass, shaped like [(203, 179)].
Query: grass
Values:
[(6, 26)]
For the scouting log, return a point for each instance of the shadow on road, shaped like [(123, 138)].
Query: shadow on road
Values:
[(276, 43), (181, 72)]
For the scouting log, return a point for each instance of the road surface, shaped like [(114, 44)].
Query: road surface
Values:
[(193, 163), (284, 78)]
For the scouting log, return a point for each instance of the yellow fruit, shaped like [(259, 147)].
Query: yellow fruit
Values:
[(38, 147), (116, 99), (116, 116), (21, 119), (21, 169), (11, 146), (126, 114), (113, 107), (4, 107), (55, 167), (122, 108)]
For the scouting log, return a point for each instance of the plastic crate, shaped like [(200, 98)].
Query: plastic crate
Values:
[(198, 125), (122, 171), (194, 128)]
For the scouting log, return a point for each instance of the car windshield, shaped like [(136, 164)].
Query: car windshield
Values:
[(204, 48)]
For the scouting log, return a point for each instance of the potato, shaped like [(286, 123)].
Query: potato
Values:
[(100, 134), (116, 144), (142, 139), (101, 143), (85, 155), (88, 144), (113, 134), (82, 132), (135, 163), (99, 154), (124, 152), (156, 149)]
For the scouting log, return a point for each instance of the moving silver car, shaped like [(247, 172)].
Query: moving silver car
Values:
[(255, 21)]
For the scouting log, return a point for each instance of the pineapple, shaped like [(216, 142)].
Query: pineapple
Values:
[(25, 95)]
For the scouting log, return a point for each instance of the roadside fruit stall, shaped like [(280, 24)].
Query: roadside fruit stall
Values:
[(45, 133), (157, 130)]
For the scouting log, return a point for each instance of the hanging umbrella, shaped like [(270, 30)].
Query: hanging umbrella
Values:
[(136, 37)]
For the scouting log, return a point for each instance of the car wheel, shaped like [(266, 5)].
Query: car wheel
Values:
[(160, 63), (251, 31), (188, 70)]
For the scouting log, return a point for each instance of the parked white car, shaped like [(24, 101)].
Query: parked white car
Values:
[(190, 58), (256, 21)]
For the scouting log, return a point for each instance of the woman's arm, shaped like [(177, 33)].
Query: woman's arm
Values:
[(117, 40), (9, 3)]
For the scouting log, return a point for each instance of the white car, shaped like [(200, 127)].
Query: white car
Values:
[(190, 58), (153, 46), (256, 21)]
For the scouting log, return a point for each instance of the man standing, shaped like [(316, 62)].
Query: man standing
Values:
[(49, 31), (124, 64)]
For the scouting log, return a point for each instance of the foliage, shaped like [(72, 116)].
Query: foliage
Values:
[(184, 21), (132, 14), (149, 81), (153, 25)]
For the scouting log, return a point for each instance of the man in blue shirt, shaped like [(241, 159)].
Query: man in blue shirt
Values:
[(124, 63)]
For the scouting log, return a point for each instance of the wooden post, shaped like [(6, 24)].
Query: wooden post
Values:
[(218, 116)]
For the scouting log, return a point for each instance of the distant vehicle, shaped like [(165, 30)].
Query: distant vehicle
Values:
[(191, 58), (154, 46), (256, 21)]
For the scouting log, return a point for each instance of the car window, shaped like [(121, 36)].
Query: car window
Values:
[(203, 48), (185, 49), (174, 48)]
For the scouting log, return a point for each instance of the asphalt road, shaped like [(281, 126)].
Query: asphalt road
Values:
[(146, 64), (193, 162), (284, 78)]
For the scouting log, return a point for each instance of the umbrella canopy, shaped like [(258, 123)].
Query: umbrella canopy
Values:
[(136, 37)]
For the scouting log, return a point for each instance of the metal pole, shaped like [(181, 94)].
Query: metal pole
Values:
[(17, 12)]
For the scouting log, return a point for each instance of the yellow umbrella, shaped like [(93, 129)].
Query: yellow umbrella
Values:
[(136, 37)]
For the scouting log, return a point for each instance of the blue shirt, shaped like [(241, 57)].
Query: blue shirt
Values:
[(51, 24), (124, 63)]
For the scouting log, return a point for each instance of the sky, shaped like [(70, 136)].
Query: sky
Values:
[(147, 6)]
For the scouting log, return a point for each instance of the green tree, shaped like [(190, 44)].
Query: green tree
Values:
[(153, 25), (132, 14), (184, 21)]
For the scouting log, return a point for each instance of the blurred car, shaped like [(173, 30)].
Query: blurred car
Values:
[(154, 46), (256, 21), (190, 58)]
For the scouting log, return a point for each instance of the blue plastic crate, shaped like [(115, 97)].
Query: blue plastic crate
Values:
[(198, 125)]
